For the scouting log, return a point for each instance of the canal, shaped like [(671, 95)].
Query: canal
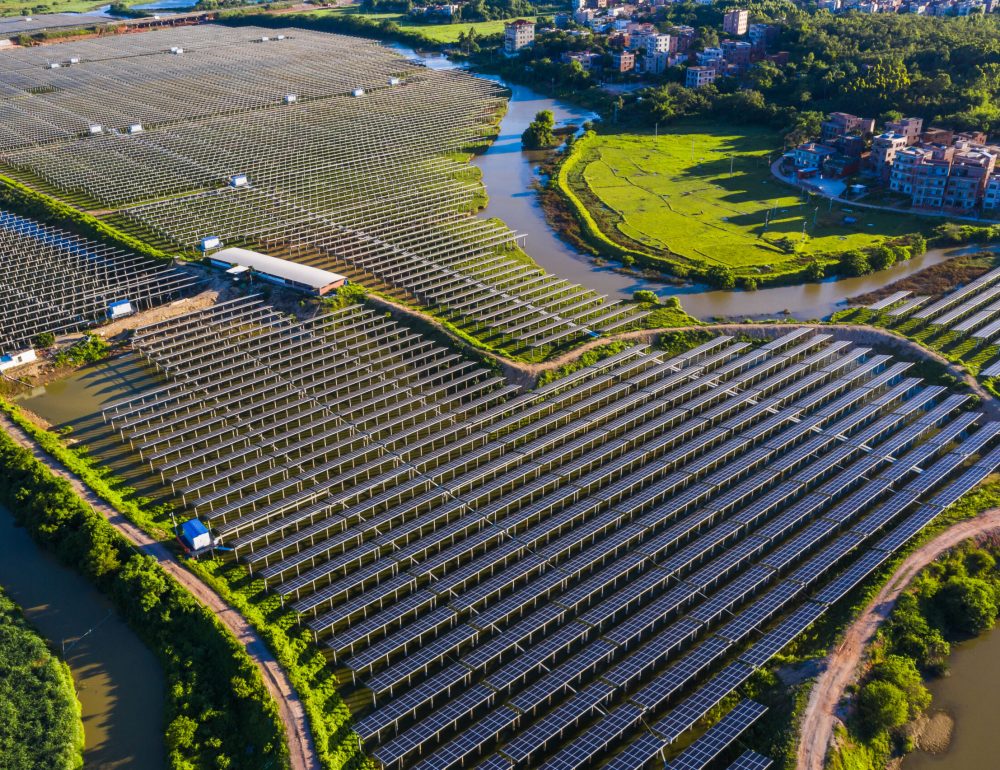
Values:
[(118, 680)]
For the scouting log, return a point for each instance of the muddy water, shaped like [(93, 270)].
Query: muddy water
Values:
[(509, 174), (971, 693), (118, 680)]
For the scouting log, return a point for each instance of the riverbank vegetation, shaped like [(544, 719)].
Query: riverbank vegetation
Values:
[(959, 348), (218, 711), (314, 681), (954, 599), (699, 201), (40, 722)]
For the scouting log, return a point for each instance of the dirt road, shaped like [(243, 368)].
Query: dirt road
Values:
[(300, 743), (819, 719)]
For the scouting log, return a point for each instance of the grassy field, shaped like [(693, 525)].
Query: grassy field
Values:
[(13, 8), (704, 193), (438, 33)]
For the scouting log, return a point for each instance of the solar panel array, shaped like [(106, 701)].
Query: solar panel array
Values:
[(973, 310), (369, 186), (539, 580), (719, 737), (53, 281)]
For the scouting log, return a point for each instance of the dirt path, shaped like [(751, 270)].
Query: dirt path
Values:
[(525, 374), (300, 743), (819, 719)]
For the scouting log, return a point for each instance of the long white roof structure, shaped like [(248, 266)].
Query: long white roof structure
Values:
[(292, 272)]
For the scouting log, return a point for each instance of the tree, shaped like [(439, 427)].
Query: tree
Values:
[(855, 263), (967, 604), (44, 340), (902, 672), (538, 135), (645, 295), (882, 257), (721, 277), (882, 706), (815, 271)]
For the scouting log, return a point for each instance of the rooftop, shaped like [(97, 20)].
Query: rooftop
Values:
[(313, 277)]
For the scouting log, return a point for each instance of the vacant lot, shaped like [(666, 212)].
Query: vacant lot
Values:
[(705, 193), (439, 33)]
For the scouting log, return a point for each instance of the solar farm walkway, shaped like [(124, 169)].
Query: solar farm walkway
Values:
[(298, 736), (325, 149), (566, 577), (818, 721)]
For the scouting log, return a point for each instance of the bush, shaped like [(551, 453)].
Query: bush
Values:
[(645, 295), (881, 706), (855, 263), (967, 604), (44, 341)]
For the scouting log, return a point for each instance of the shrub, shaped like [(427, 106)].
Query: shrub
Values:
[(881, 706), (645, 295)]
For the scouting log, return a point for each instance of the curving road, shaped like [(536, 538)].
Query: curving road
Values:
[(301, 750), (819, 719)]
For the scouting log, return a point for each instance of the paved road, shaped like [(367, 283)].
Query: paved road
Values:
[(842, 664), (300, 743)]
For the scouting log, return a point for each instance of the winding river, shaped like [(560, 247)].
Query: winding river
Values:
[(509, 173), (118, 680)]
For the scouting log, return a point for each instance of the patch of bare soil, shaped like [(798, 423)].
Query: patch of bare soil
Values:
[(932, 732)]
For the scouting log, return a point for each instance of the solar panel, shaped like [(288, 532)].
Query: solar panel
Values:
[(751, 760), (718, 737), (689, 711)]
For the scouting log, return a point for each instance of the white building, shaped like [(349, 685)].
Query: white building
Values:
[(518, 34)]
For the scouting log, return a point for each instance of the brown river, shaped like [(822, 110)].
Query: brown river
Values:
[(118, 680)]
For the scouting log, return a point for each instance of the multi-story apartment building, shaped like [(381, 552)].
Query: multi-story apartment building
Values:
[(735, 22), (737, 53), (839, 124), (658, 44), (885, 146), (908, 127), (699, 76), (623, 61), (517, 35), (970, 173), (812, 155), (991, 195)]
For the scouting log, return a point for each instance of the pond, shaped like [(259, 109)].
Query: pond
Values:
[(970, 693)]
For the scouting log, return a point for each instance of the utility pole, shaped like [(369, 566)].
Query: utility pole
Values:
[(731, 159)]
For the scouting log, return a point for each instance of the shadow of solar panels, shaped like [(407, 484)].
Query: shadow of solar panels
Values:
[(562, 578)]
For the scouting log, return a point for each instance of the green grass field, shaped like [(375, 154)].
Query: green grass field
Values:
[(438, 33), (14, 8), (704, 193)]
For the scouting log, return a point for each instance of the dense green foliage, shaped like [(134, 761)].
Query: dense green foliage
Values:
[(954, 598), (89, 349), (40, 723), (219, 714), (538, 135)]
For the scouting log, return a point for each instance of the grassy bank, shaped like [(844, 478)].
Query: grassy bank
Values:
[(218, 712), (702, 196), (952, 600), (40, 723)]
